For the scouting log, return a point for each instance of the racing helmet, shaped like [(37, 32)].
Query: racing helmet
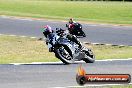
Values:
[(71, 20), (47, 30)]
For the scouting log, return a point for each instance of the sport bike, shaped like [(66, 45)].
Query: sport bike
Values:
[(68, 51), (76, 30)]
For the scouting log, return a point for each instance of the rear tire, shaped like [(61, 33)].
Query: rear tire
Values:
[(83, 34), (91, 57)]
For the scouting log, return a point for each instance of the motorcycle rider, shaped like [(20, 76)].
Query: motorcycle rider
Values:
[(71, 37), (49, 34), (71, 23)]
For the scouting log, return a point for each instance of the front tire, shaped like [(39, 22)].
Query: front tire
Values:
[(64, 54)]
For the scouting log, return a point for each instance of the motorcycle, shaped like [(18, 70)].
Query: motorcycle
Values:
[(76, 30), (69, 52)]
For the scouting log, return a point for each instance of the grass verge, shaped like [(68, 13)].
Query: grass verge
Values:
[(104, 12), (121, 86), (111, 52), (25, 50)]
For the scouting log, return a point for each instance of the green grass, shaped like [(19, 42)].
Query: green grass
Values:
[(27, 50), (106, 12), (23, 50), (111, 52), (122, 86)]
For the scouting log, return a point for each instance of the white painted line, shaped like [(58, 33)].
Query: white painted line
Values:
[(59, 62), (33, 37), (104, 44), (121, 45), (23, 36), (35, 63), (95, 43), (97, 85), (46, 62), (18, 63), (108, 44), (3, 16), (58, 87), (19, 36), (1, 34), (25, 19), (115, 59)]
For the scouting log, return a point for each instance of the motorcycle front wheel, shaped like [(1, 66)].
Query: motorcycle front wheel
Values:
[(64, 54)]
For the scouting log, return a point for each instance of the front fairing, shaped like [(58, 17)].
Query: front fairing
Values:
[(66, 42)]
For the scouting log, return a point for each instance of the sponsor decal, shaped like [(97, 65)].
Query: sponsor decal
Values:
[(83, 78)]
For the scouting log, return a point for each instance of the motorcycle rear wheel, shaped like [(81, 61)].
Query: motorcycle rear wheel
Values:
[(82, 33), (91, 57)]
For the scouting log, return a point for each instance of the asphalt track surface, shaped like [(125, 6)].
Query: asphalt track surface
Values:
[(58, 74), (96, 33)]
